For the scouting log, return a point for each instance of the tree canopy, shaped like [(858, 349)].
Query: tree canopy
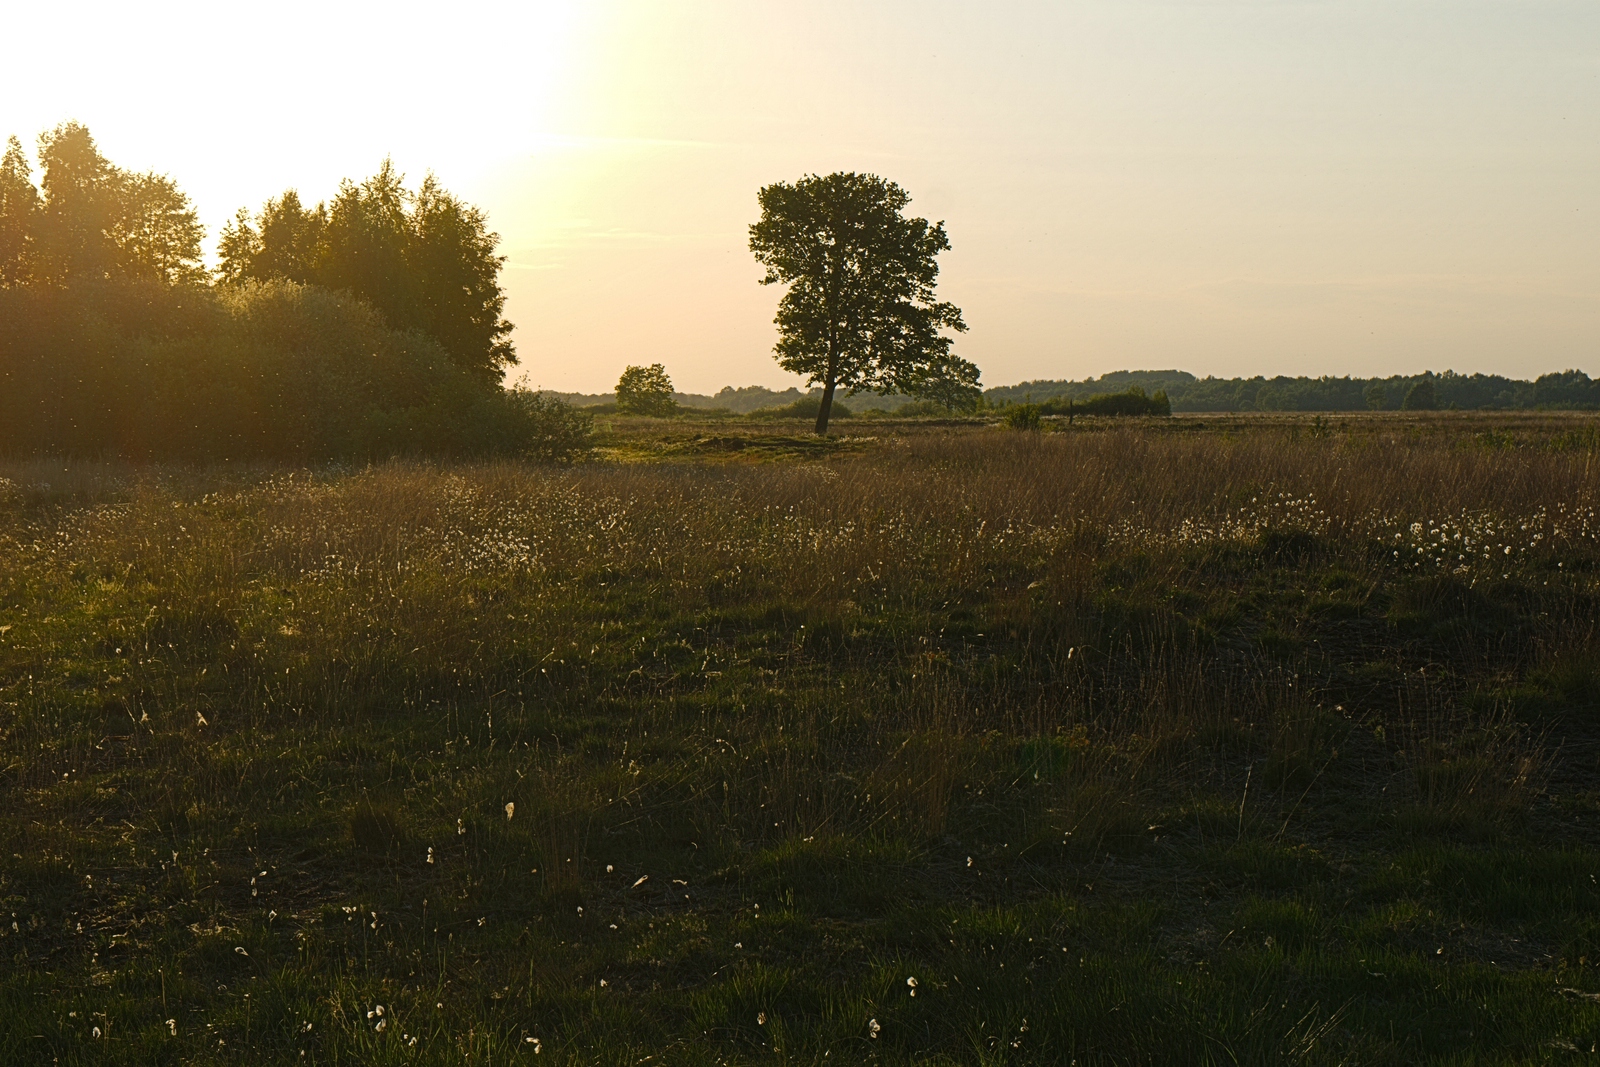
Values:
[(425, 259), (366, 327), (645, 391), (1421, 397), (90, 220), (859, 312)]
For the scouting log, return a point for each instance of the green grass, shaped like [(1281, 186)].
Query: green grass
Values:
[(1163, 743)]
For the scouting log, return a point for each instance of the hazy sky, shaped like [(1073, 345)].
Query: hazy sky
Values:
[(1341, 187)]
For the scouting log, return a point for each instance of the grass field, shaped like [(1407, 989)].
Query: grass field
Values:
[(1200, 740)]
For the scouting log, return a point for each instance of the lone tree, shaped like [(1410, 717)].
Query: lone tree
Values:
[(860, 310), (645, 391)]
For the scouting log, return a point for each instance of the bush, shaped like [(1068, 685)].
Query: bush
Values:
[(926, 407), (467, 424), (1022, 416), (807, 407), (262, 370), (1133, 402)]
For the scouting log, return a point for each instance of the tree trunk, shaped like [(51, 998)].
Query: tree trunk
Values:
[(827, 407)]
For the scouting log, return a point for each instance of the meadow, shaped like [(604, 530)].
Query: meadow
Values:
[(1195, 740)]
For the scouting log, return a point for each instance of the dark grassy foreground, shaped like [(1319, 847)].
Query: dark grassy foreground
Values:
[(1210, 742)]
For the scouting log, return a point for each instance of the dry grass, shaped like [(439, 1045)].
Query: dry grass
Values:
[(923, 674)]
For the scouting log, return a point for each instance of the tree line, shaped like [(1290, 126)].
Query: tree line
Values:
[(1566, 390), (373, 322), (369, 325)]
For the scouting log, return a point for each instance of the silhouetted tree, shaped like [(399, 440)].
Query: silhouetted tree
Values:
[(155, 230), (19, 215), (285, 247), (645, 391), (860, 311), (73, 237), (426, 260), (96, 221)]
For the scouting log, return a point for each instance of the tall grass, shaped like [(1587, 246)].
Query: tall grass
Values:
[(935, 675)]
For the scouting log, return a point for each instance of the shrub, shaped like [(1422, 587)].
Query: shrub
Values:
[(807, 407), (1022, 416), (466, 424), (1133, 402), (926, 407), (262, 370)]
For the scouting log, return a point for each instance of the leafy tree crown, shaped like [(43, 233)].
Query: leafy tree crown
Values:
[(425, 259), (860, 310), (91, 220), (645, 391)]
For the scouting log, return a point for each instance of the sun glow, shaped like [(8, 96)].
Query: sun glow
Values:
[(238, 101), (1234, 189)]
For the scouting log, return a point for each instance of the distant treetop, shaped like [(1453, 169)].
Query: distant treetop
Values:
[(1571, 389)]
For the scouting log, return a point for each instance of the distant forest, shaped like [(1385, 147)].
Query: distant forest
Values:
[(1571, 390)]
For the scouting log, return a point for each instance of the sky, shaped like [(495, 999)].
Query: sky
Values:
[(1364, 187)]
